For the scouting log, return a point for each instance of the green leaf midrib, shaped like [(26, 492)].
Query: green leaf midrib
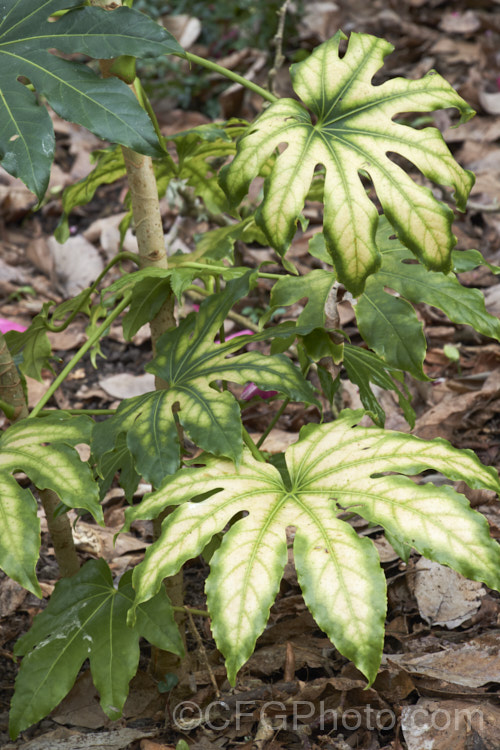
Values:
[(51, 37), (366, 364), (388, 501), (388, 174), (376, 134), (301, 482), (191, 364), (30, 460), (256, 547), (6, 531), (416, 362), (196, 396), (298, 165), (348, 83), (223, 504), (180, 373), (378, 103), (309, 511), (23, 139)]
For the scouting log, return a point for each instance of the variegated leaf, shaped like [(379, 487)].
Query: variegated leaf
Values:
[(42, 449), (191, 363), (333, 468), (350, 132)]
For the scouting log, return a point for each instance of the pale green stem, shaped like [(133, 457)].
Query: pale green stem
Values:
[(273, 422), (231, 75), (146, 104), (196, 612), (251, 446), (221, 269), (80, 353)]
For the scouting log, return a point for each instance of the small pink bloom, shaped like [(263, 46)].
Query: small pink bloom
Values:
[(244, 332), (251, 390), (10, 325)]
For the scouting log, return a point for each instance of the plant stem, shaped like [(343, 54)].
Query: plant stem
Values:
[(251, 445), (279, 58), (151, 244), (231, 75), (60, 535), (221, 269), (195, 612), (273, 422), (149, 233), (80, 353)]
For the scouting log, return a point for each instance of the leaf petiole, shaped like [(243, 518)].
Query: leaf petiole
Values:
[(210, 65), (80, 353)]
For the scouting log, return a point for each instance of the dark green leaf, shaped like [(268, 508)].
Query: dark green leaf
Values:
[(389, 324), (148, 295), (86, 618), (107, 107), (31, 349), (119, 459), (467, 260)]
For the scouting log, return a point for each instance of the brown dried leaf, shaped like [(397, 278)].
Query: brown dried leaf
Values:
[(471, 664), (444, 597), (77, 264), (460, 23), (441, 725)]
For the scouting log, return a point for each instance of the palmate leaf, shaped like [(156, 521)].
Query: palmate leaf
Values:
[(332, 468), (190, 362), (351, 132), (389, 324), (86, 618), (107, 107), (42, 449)]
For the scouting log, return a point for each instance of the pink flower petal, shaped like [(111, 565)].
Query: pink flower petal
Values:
[(10, 325), (244, 332), (251, 390)]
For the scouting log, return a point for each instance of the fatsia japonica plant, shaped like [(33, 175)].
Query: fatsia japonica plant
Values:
[(335, 143)]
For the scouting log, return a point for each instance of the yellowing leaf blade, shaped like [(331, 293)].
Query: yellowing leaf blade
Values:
[(351, 133)]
